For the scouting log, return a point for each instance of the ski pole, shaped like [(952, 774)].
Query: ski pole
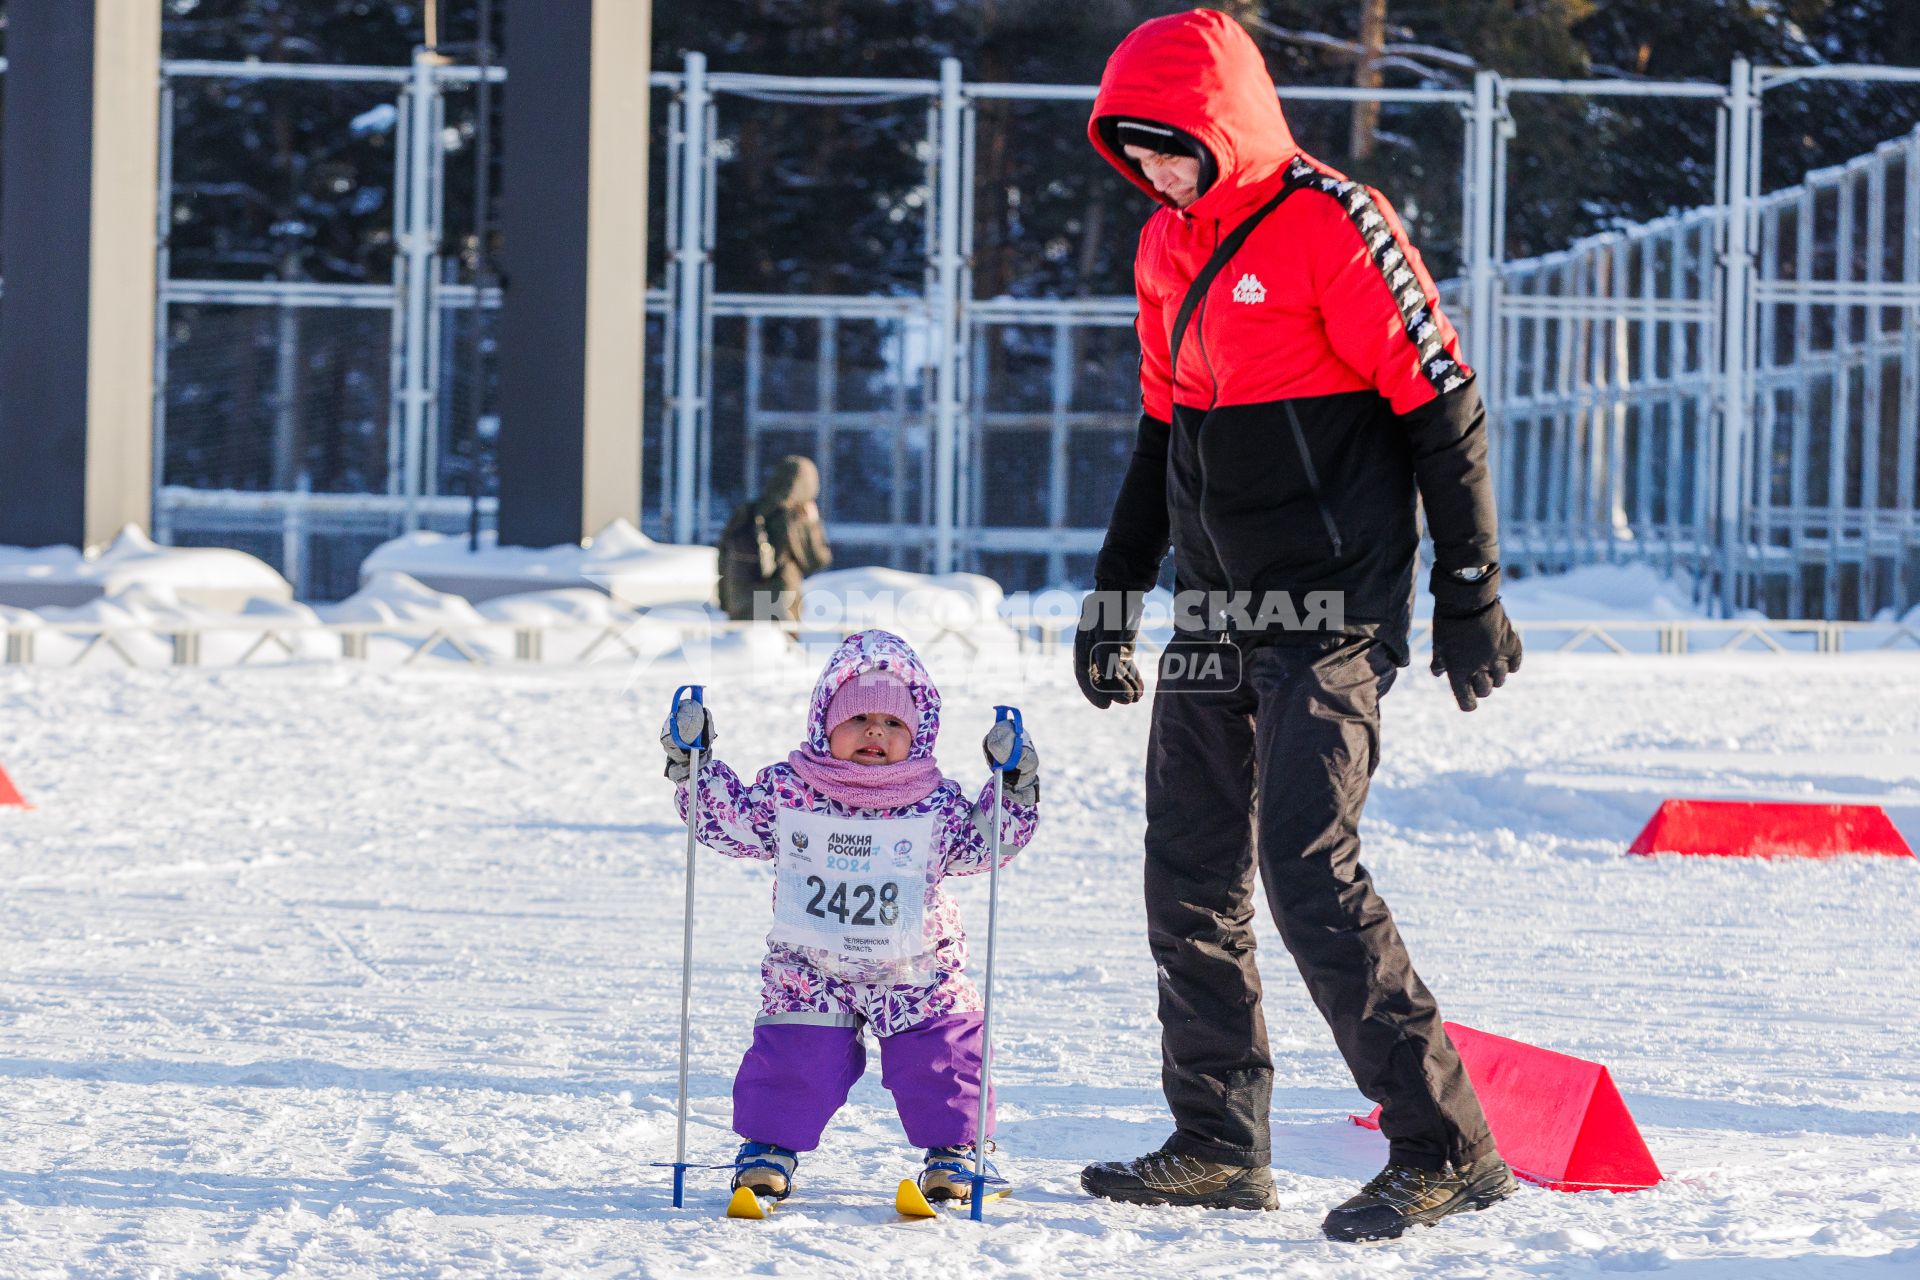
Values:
[(1000, 772), (693, 749)]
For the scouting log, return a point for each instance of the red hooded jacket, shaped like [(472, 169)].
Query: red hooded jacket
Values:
[(1318, 381)]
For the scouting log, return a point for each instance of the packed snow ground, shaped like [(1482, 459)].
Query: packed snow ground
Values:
[(324, 970)]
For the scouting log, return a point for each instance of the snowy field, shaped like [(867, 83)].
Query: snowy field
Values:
[(321, 970)]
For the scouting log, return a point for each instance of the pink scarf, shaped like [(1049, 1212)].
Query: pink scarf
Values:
[(867, 786)]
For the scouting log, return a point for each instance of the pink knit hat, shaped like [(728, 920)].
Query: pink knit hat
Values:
[(871, 691)]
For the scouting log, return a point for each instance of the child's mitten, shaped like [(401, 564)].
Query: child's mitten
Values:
[(1023, 780), (696, 726)]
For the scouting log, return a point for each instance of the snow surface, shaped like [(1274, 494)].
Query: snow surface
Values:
[(619, 559), (322, 970)]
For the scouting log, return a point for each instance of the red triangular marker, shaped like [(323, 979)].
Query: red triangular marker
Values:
[(10, 796), (1745, 829), (1558, 1120), (1610, 1154)]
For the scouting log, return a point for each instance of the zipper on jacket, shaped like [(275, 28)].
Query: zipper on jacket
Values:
[(1313, 477), (1199, 458)]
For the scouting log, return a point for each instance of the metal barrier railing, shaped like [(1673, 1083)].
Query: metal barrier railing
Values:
[(488, 644)]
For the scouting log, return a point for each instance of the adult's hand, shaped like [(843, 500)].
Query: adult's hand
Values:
[(1474, 645), (1103, 647)]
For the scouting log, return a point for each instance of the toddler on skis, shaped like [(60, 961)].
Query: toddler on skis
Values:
[(862, 828)]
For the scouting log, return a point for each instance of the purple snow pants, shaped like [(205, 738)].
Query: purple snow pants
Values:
[(796, 1075)]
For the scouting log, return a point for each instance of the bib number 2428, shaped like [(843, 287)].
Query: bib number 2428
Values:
[(854, 887), (855, 904)]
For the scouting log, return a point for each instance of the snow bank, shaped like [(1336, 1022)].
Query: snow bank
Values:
[(566, 606), (391, 597), (571, 624), (1601, 593), (141, 624), (619, 560), (210, 577), (923, 608)]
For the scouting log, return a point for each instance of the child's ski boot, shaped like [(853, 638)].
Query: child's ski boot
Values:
[(948, 1174), (765, 1169)]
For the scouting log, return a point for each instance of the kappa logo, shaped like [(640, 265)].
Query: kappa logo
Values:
[(1249, 289)]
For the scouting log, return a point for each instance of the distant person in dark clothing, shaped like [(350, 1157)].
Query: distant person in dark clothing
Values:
[(772, 542)]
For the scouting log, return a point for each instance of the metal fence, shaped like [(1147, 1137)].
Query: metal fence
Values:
[(956, 426), (1732, 390), (1727, 391), (318, 391), (237, 643), (303, 411)]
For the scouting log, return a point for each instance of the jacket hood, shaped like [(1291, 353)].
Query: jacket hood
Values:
[(1201, 73), (876, 651), (794, 482)]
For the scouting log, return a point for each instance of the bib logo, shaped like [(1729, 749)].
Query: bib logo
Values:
[(850, 851), (800, 841), (902, 856)]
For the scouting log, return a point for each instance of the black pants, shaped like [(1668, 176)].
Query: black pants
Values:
[(1302, 735)]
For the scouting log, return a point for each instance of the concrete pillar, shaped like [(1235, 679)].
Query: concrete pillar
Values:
[(78, 172), (574, 222)]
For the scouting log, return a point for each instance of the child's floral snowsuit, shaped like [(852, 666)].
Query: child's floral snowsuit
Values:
[(740, 821)]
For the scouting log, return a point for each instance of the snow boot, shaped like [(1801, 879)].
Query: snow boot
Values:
[(1401, 1196), (948, 1174), (1167, 1177), (765, 1169)]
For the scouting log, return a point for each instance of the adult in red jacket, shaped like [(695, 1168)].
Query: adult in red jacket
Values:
[(1316, 391)]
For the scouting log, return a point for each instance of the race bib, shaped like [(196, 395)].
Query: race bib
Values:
[(856, 887)]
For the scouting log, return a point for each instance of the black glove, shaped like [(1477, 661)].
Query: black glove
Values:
[(1103, 646), (1474, 645), (1022, 782), (696, 726)]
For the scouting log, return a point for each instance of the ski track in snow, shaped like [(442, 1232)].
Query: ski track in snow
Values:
[(322, 971)]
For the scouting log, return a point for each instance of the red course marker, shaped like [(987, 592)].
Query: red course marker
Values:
[(1743, 829), (10, 796), (1558, 1120)]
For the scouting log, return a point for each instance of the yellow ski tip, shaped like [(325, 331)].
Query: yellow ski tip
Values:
[(745, 1204), (911, 1202)]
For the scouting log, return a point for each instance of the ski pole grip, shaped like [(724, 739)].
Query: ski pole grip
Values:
[(1019, 732), (696, 693)]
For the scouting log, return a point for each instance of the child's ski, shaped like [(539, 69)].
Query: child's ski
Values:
[(745, 1204), (911, 1202)]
